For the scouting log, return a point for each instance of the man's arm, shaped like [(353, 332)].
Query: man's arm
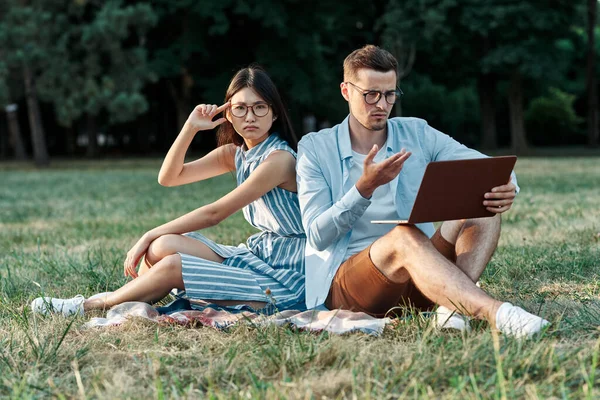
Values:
[(442, 147), (324, 221)]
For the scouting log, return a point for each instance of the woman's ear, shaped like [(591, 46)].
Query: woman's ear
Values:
[(228, 115)]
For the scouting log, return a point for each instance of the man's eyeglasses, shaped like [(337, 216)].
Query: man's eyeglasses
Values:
[(259, 109), (373, 96)]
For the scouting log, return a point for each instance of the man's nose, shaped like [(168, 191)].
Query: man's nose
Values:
[(382, 103)]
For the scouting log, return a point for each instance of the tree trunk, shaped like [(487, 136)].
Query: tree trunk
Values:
[(486, 88), (92, 147), (182, 97), (70, 140), (143, 133), (3, 145), (517, 123), (592, 88), (405, 56), (38, 136), (14, 131)]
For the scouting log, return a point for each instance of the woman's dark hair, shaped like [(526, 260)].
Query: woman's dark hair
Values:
[(255, 78)]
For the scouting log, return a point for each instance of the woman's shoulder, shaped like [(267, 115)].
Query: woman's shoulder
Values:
[(278, 144)]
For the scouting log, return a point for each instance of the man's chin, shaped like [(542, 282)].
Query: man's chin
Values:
[(378, 126)]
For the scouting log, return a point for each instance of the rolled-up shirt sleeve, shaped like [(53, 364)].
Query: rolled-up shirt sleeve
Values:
[(324, 221)]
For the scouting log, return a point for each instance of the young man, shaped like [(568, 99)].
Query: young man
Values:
[(370, 167)]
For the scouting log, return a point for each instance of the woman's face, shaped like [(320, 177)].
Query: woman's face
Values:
[(242, 113)]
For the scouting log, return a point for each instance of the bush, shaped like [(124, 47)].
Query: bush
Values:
[(551, 120)]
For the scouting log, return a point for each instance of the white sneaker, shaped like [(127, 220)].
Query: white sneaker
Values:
[(444, 318), (514, 321), (67, 307)]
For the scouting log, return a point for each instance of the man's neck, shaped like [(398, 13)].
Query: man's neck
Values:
[(363, 139)]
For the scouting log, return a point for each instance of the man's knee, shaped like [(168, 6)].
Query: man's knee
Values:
[(494, 221), (392, 254), (451, 229), (405, 238)]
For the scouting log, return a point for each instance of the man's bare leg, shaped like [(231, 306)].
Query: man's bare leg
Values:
[(475, 241), (406, 253)]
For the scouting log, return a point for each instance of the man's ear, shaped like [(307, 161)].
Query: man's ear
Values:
[(344, 90)]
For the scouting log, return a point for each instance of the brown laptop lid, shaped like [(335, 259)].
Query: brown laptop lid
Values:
[(454, 189)]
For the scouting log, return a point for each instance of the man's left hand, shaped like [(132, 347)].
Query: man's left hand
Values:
[(501, 198)]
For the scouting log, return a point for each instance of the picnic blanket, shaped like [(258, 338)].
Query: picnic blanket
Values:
[(209, 315)]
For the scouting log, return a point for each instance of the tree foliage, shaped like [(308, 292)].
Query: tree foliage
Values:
[(135, 69), (98, 60)]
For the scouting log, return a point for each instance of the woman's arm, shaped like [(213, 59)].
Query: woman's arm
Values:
[(175, 172), (277, 169)]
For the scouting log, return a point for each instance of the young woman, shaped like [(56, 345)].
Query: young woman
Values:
[(270, 266)]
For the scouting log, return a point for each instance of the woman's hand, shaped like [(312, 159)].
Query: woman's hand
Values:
[(201, 119), (134, 256)]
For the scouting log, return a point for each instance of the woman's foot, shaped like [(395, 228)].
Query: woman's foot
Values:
[(66, 307)]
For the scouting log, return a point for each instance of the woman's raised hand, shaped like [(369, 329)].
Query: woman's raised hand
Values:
[(201, 119)]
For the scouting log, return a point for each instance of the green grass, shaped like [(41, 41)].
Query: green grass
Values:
[(66, 230)]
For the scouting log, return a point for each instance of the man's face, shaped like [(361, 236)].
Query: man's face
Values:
[(371, 116)]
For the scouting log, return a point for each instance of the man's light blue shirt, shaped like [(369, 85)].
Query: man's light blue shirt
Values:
[(330, 202)]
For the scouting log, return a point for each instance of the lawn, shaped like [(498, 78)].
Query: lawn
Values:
[(65, 231)]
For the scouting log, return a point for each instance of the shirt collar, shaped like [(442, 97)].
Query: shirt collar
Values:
[(345, 147)]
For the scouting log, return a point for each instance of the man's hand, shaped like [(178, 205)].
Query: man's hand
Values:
[(377, 174), (501, 198)]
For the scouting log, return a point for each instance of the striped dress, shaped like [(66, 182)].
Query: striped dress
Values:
[(272, 259)]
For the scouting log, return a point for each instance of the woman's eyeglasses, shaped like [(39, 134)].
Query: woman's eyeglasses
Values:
[(259, 109)]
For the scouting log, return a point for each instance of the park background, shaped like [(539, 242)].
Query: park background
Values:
[(88, 79), (96, 93)]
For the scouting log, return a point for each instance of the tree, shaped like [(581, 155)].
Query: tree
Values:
[(523, 36), (591, 81), (99, 63), (11, 109), (301, 49), (487, 41), (24, 47), (443, 37)]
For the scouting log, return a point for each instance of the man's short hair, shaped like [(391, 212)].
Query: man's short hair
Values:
[(368, 57)]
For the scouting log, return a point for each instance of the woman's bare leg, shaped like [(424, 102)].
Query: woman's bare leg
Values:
[(160, 272), (167, 245), (172, 244), (144, 267), (152, 286)]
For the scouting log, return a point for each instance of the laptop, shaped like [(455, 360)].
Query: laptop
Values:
[(454, 189)]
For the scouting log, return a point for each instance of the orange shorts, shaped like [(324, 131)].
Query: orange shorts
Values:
[(359, 286)]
